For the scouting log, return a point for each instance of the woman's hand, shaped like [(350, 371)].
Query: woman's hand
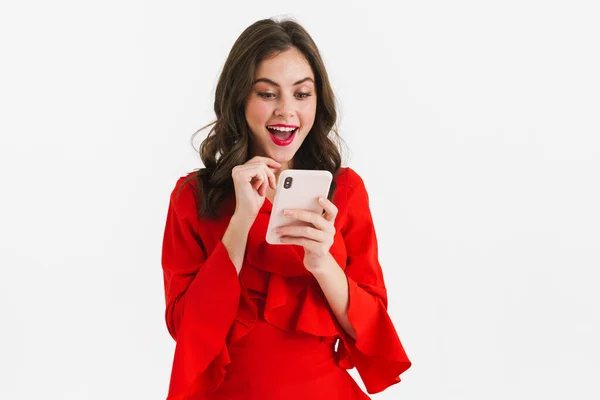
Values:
[(316, 239), (251, 181)]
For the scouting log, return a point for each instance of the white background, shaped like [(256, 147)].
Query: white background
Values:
[(473, 123)]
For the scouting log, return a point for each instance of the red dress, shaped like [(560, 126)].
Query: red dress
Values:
[(269, 333)]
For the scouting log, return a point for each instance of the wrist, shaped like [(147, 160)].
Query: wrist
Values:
[(241, 222), (327, 268)]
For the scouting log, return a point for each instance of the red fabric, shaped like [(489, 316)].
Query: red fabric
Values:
[(215, 317)]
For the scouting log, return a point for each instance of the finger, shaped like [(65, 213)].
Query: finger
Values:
[(269, 161), (331, 210), (255, 177), (260, 189), (307, 232), (264, 183), (308, 244), (256, 183), (272, 179), (308, 216)]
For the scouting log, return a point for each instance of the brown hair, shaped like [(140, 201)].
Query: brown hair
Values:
[(228, 142)]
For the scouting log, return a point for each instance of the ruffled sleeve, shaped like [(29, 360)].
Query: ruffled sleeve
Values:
[(202, 292), (377, 352)]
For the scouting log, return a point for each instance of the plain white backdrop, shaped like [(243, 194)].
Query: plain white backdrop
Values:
[(474, 125)]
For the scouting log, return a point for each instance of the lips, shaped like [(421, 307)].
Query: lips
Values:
[(278, 132), (281, 138), (282, 126)]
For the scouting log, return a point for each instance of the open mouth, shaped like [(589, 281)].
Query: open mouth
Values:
[(282, 136)]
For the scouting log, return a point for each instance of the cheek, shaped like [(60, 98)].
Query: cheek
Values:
[(257, 112), (308, 113)]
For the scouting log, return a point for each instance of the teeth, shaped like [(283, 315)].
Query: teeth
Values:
[(281, 128)]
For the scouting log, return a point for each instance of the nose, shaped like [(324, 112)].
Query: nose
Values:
[(284, 107)]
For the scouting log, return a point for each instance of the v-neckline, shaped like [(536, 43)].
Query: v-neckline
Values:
[(267, 205)]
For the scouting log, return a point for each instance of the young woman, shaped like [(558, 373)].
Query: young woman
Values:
[(258, 321)]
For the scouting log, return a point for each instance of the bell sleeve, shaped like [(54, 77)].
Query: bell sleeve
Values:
[(377, 352), (202, 292)]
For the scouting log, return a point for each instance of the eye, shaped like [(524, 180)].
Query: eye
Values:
[(265, 95)]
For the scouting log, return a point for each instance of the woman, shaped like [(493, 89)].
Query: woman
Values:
[(259, 321)]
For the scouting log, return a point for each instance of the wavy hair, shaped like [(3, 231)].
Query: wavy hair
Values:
[(228, 142)]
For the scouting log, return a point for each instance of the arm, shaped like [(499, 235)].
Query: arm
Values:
[(202, 293), (193, 278), (374, 347), (235, 239), (333, 282)]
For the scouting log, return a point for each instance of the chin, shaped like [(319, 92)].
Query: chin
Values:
[(282, 160)]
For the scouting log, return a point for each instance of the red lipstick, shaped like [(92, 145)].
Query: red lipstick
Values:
[(283, 125)]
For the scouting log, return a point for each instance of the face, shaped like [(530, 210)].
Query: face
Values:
[(283, 93)]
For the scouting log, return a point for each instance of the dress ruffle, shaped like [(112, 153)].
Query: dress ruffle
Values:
[(294, 302)]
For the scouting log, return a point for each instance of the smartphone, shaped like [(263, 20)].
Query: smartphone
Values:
[(299, 189)]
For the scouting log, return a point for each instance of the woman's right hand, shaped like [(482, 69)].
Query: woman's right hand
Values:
[(251, 181)]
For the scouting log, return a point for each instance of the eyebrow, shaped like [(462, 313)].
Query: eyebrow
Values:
[(267, 80)]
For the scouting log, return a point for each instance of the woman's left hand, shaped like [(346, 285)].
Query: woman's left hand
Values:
[(316, 239)]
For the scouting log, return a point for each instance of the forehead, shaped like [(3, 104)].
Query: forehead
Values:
[(285, 68)]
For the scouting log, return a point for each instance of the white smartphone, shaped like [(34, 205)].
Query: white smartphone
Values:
[(298, 189)]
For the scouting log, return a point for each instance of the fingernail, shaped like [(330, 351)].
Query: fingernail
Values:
[(287, 212)]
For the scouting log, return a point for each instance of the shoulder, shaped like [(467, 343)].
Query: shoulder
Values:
[(351, 199), (349, 180), (350, 195), (185, 192)]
